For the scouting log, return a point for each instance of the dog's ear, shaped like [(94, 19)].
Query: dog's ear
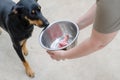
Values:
[(17, 10)]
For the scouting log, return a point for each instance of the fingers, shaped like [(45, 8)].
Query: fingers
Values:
[(50, 52), (53, 56), (56, 55)]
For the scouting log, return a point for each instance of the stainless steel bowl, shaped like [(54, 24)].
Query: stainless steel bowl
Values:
[(54, 33)]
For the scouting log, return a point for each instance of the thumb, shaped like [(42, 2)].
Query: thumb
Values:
[(50, 52)]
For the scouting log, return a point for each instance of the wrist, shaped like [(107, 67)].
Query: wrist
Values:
[(67, 55)]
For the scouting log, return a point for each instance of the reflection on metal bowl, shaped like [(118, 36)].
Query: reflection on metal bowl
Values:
[(55, 32)]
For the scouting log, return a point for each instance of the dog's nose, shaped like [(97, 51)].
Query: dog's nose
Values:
[(46, 23)]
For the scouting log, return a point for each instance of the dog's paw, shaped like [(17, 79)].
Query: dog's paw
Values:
[(30, 73)]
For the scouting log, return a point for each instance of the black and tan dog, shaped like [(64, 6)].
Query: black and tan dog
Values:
[(18, 20)]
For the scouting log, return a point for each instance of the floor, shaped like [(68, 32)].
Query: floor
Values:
[(102, 65)]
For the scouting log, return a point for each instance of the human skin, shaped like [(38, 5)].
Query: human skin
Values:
[(95, 42)]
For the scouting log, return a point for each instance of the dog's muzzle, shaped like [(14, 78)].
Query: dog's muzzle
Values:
[(45, 24)]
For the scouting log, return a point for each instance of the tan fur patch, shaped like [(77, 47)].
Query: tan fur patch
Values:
[(33, 12), (24, 49), (21, 42), (28, 69), (34, 22)]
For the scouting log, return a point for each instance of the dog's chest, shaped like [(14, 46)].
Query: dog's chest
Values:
[(21, 33)]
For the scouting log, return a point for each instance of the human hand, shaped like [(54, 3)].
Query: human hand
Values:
[(57, 55)]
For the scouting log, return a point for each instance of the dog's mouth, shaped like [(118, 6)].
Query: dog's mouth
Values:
[(34, 22), (44, 25), (39, 23)]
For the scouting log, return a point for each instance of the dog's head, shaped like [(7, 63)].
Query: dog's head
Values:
[(30, 10)]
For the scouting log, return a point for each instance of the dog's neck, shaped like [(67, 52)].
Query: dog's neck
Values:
[(23, 21), (19, 22), (19, 28)]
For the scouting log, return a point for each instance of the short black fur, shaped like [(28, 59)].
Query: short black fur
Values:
[(18, 20)]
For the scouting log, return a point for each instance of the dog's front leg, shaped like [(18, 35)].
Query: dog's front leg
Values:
[(18, 49), (24, 49)]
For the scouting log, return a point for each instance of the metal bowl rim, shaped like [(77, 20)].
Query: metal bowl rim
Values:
[(50, 26)]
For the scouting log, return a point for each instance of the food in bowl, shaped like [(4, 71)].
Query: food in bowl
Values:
[(63, 42), (59, 35)]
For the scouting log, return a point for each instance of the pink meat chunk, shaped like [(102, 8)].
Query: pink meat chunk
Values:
[(64, 42)]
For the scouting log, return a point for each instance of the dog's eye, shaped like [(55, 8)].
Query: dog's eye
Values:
[(33, 12)]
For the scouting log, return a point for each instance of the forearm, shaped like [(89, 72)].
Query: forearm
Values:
[(83, 49), (88, 46), (87, 18), (96, 42)]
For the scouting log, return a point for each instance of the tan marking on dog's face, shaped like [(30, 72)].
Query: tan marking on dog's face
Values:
[(34, 22), (33, 11)]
